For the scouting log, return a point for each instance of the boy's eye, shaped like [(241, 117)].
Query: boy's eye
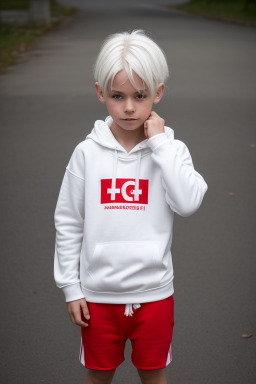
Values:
[(140, 96), (117, 97)]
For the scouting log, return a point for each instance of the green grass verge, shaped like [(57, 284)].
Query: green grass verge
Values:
[(12, 5), (15, 39), (64, 10), (226, 10), (23, 5)]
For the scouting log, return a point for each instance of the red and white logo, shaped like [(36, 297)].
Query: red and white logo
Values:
[(125, 191)]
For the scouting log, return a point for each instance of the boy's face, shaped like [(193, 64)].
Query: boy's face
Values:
[(129, 108)]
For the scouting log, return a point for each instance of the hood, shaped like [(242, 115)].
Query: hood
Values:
[(102, 135)]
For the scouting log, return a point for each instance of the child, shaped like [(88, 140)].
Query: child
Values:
[(114, 216)]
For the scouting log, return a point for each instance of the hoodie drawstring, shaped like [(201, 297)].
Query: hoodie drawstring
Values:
[(137, 191), (113, 190)]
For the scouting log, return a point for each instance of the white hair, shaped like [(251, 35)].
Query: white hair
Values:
[(131, 51)]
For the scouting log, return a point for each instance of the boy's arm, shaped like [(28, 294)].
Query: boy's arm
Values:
[(185, 188), (69, 223)]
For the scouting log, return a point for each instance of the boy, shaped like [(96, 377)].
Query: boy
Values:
[(114, 216)]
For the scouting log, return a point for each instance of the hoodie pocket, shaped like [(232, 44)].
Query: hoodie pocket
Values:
[(126, 266)]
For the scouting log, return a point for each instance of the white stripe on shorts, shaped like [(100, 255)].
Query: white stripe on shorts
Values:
[(81, 355), (169, 356)]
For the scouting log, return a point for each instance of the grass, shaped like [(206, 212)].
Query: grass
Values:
[(12, 5), (58, 9), (226, 10), (23, 5), (15, 39)]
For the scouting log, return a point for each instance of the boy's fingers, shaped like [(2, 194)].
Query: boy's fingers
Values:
[(154, 114), (78, 319), (85, 311), (82, 324), (75, 312)]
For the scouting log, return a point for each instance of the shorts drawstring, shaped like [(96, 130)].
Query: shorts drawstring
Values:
[(129, 309)]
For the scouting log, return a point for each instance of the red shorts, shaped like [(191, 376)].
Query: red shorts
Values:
[(149, 329)]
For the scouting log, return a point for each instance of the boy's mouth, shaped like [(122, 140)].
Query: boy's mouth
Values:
[(130, 119)]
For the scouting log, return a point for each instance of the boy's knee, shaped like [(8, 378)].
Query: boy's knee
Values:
[(99, 377), (156, 376)]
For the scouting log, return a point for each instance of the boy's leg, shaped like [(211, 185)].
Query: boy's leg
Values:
[(99, 377), (156, 376)]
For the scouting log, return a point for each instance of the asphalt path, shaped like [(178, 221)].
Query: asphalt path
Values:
[(47, 106)]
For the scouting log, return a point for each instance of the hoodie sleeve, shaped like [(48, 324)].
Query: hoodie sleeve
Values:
[(69, 224), (185, 188)]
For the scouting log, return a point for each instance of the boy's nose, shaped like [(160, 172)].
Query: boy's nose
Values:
[(129, 106)]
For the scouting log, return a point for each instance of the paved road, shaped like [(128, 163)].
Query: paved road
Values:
[(48, 105)]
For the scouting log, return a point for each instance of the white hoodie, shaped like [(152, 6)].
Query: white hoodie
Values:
[(114, 217)]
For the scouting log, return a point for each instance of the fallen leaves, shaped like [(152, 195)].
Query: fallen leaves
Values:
[(246, 335)]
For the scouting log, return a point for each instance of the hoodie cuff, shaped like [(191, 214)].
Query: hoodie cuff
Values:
[(73, 292), (155, 141)]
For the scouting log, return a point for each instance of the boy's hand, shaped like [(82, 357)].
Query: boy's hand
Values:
[(78, 310), (153, 125)]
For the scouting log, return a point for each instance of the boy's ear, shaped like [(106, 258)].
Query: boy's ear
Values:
[(159, 93), (99, 93)]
